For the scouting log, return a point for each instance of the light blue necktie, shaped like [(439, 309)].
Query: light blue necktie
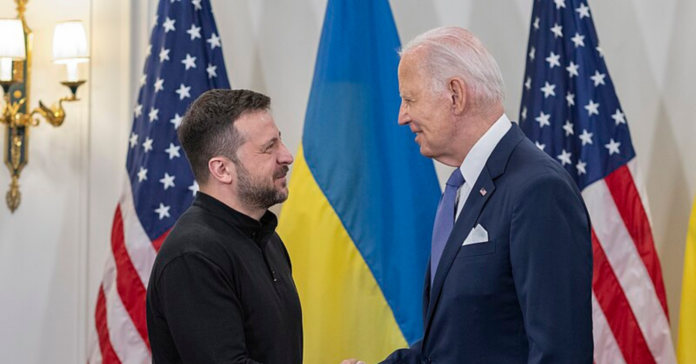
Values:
[(444, 220)]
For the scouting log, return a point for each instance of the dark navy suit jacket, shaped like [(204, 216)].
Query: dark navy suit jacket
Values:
[(524, 296)]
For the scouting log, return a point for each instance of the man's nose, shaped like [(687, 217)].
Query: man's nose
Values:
[(404, 118), (285, 157)]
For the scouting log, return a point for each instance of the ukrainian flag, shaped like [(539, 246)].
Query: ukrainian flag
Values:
[(362, 200), (686, 349)]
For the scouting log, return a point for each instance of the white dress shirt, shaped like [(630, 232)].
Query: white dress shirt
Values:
[(478, 156)]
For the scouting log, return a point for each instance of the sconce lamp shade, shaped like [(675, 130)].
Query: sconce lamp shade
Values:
[(12, 40), (70, 43)]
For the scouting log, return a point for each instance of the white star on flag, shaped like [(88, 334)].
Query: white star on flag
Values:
[(154, 114), (163, 211), (159, 85), (164, 55), (196, 4), (211, 71), (592, 108), (183, 91), (189, 62), (557, 30), (194, 188), (598, 78), (564, 157), (143, 80), (133, 140), (572, 69), (528, 83), (173, 151), (147, 145), (570, 98), (540, 146), (214, 41), (619, 117), (560, 4), (176, 121), (586, 137), (167, 181), (568, 127), (194, 32), (138, 110), (553, 60), (581, 167), (583, 11), (543, 119), (548, 90), (578, 40), (532, 52), (613, 146), (142, 174), (169, 25)]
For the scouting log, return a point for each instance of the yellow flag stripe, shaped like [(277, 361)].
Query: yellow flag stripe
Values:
[(345, 312), (686, 351)]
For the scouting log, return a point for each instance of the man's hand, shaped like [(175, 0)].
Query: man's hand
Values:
[(352, 361)]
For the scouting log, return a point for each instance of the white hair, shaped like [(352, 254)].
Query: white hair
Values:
[(456, 52)]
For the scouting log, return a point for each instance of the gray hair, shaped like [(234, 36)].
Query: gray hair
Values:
[(453, 51)]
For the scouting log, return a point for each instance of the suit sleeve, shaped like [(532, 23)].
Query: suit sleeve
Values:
[(202, 311), (410, 355), (551, 257)]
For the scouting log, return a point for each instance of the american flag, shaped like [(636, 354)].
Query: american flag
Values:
[(571, 111), (184, 59)]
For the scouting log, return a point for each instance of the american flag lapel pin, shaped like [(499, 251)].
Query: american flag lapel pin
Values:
[(483, 191)]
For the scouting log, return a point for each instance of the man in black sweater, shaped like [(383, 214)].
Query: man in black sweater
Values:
[(221, 289)]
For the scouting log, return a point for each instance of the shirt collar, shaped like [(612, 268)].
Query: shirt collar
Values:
[(258, 230), (478, 155)]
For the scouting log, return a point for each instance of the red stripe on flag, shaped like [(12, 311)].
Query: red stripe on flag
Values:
[(617, 310), (128, 284), (157, 243), (625, 195), (107, 351)]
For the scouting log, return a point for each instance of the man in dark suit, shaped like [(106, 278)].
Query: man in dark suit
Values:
[(510, 275)]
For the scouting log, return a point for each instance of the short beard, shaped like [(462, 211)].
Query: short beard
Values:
[(254, 193)]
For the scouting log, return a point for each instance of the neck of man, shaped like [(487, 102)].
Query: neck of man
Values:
[(230, 198), (472, 126)]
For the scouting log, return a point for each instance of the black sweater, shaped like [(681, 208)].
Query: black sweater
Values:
[(221, 291)]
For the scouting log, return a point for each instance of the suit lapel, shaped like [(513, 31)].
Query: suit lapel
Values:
[(495, 166)]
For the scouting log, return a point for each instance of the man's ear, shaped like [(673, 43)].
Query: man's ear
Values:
[(222, 169), (457, 90)]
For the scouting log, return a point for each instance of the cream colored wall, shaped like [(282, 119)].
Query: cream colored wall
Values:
[(52, 249), (43, 244)]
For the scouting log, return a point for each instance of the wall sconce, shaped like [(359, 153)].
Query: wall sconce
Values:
[(16, 53)]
